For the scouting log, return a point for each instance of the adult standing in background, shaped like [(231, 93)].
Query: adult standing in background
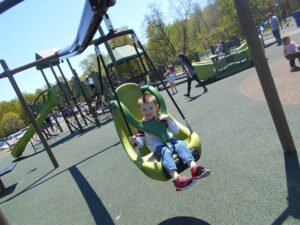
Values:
[(274, 23), (190, 72)]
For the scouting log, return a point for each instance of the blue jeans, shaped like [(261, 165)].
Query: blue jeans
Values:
[(165, 153), (276, 34)]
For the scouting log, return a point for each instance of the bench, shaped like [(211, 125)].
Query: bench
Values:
[(4, 171)]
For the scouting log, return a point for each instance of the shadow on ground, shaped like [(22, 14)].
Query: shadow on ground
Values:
[(61, 141), (292, 170), (270, 44), (41, 181), (97, 209), (26, 156), (183, 220), (8, 190), (194, 98)]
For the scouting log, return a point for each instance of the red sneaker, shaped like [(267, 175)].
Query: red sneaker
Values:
[(199, 172), (183, 183)]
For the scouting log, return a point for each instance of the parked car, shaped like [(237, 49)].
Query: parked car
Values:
[(82, 105), (4, 139), (11, 137), (56, 114), (3, 145), (21, 132), (70, 111)]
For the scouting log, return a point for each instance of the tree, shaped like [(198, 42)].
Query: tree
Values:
[(155, 22), (89, 64), (11, 122), (183, 10), (122, 40)]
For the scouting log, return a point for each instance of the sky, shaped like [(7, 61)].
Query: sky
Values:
[(34, 26)]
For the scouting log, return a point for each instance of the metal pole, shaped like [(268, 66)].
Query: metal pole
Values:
[(100, 57), (65, 95), (45, 78), (3, 220), (138, 53), (129, 68), (94, 112), (60, 109), (29, 114), (111, 54), (265, 76), (73, 98), (58, 124)]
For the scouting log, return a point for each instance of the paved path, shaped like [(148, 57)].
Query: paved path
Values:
[(252, 181), (287, 83)]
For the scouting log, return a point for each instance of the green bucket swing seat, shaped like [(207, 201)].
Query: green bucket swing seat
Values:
[(128, 95)]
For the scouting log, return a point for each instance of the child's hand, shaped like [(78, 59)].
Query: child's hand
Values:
[(132, 139), (163, 117)]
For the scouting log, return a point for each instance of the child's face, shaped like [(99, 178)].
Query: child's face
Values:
[(149, 109)]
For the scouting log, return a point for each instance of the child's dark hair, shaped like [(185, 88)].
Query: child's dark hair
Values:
[(286, 40), (185, 58), (147, 98)]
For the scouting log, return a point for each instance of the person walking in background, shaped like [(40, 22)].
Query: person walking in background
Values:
[(191, 73), (290, 47), (274, 23)]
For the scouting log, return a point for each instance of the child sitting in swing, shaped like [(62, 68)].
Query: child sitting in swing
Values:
[(149, 106)]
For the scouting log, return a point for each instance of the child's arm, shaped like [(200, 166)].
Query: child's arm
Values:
[(132, 139), (172, 126), (186, 69), (284, 51), (138, 139), (167, 73)]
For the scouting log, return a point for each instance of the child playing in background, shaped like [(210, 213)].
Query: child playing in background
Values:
[(171, 78), (172, 69), (149, 106), (290, 47)]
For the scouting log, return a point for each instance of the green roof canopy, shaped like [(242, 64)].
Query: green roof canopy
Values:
[(124, 53), (44, 54)]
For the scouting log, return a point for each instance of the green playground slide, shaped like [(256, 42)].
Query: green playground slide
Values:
[(21, 144)]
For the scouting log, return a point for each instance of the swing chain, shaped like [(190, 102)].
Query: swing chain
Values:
[(108, 23), (188, 126)]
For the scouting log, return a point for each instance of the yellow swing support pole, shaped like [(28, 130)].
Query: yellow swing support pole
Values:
[(265, 76)]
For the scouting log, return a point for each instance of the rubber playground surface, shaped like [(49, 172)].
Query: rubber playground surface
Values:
[(252, 180)]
